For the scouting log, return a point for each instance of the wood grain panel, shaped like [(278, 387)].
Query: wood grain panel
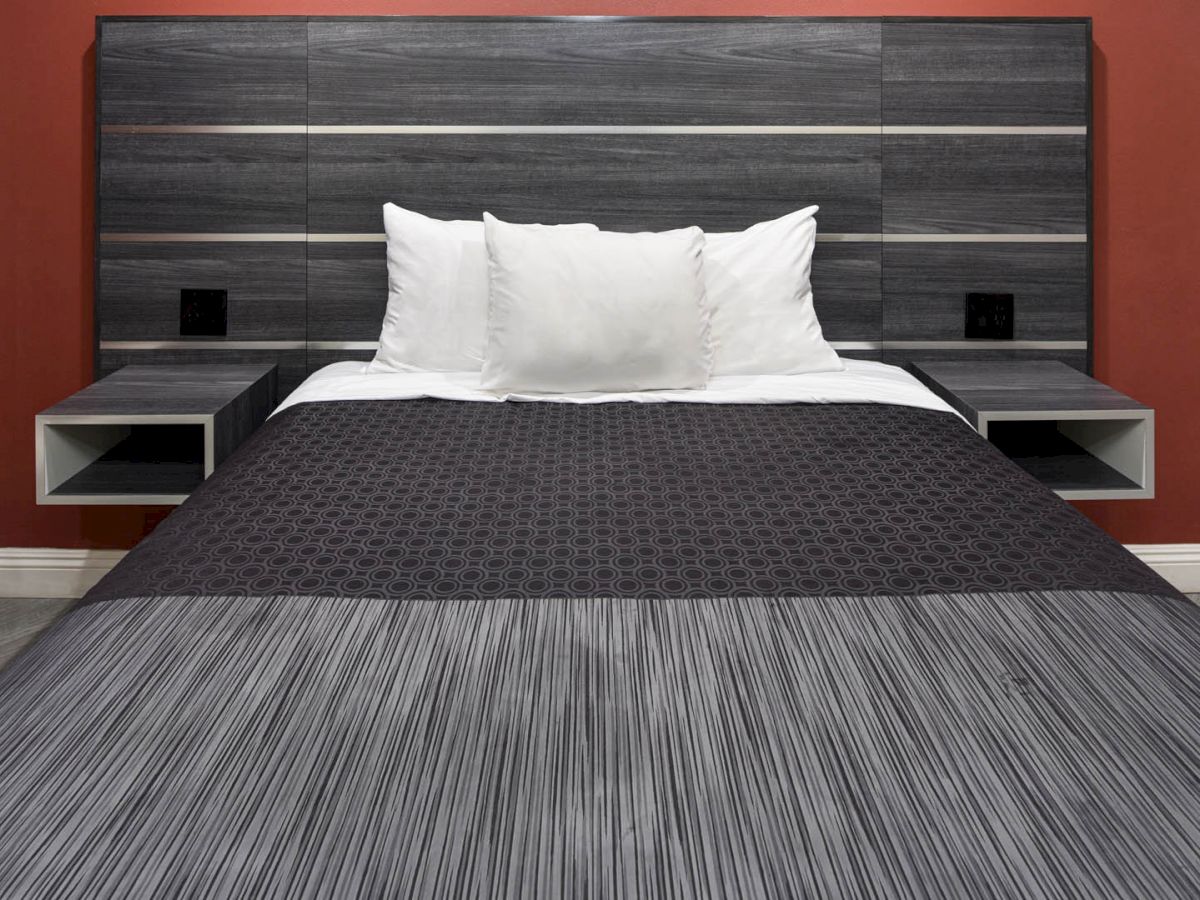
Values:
[(1034, 386), (562, 72), (622, 182), (1090, 397), (347, 291), (846, 291), (573, 72), (292, 363), (1076, 359), (155, 464), (138, 291), (985, 73), (191, 71), (925, 287), (870, 355), (237, 421), (163, 390), (985, 183), (318, 359), (197, 183)]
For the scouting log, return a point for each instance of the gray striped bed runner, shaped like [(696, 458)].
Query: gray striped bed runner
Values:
[(1035, 744)]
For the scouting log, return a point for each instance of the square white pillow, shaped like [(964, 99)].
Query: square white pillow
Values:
[(760, 293), (576, 311), (436, 317)]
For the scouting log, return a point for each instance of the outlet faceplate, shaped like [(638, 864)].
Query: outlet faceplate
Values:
[(203, 312), (989, 316)]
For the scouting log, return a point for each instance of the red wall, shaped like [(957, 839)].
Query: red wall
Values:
[(1147, 132)]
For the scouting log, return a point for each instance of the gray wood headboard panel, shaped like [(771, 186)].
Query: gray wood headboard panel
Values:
[(254, 154), (252, 183), (999, 183), (588, 72), (139, 288), (188, 71), (627, 182), (924, 286), (977, 72)]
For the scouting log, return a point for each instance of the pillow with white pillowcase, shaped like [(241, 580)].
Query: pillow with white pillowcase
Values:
[(436, 317), (760, 294), (576, 311)]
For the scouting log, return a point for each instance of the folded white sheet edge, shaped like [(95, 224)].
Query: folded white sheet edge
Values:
[(860, 382)]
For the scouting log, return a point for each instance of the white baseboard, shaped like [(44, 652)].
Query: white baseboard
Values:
[(1177, 563), (51, 573)]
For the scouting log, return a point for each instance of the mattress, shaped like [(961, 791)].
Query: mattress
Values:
[(438, 648)]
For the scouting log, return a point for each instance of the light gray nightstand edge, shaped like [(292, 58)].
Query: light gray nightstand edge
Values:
[(1045, 390), (58, 457), (238, 399), (1129, 451)]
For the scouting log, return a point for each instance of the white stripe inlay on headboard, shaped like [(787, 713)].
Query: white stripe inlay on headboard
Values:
[(379, 237), (597, 129), (374, 345)]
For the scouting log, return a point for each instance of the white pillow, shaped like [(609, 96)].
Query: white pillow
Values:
[(436, 317), (760, 294), (595, 311)]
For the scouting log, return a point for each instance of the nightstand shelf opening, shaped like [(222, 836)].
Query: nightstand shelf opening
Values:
[(146, 460), (1063, 464)]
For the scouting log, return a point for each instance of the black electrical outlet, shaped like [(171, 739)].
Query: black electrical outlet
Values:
[(203, 312), (990, 316)]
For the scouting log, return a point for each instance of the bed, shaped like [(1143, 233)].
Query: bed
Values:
[(797, 636), (435, 646)]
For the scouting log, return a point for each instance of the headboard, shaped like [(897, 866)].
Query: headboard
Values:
[(253, 155)]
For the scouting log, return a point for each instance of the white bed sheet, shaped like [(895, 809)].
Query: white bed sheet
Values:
[(859, 382)]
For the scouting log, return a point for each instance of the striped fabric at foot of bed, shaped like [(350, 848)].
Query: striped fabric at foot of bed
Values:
[(961, 745)]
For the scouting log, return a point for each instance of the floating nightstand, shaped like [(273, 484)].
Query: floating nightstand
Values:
[(1076, 435), (148, 435)]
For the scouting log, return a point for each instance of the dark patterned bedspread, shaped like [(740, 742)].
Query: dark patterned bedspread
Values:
[(436, 499), (855, 654)]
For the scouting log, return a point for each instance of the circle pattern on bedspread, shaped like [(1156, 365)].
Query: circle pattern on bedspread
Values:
[(438, 499)]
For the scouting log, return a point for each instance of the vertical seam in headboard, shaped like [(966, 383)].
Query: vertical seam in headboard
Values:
[(1091, 237), (307, 175), (96, 138), (882, 143)]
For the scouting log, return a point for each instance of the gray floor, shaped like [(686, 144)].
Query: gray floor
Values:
[(22, 620)]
